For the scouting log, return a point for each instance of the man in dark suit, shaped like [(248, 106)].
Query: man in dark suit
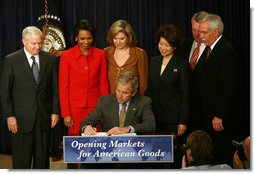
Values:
[(109, 110), (29, 98), (218, 87), (139, 116), (195, 59)]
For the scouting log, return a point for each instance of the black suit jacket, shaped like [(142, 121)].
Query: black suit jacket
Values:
[(218, 84), (195, 119), (22, 97), (139, 114), (170, 92)]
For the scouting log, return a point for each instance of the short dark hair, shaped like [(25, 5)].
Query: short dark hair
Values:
[(172, 34), (83, 25)]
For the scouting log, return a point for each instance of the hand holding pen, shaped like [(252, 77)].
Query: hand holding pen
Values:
[(90, 130)]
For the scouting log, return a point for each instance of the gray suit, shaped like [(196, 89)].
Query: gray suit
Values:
[(139, 114)]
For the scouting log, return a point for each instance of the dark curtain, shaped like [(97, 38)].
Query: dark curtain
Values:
[(145, 16)]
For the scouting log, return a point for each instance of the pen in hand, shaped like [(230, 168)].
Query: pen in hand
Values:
[(95, 129)]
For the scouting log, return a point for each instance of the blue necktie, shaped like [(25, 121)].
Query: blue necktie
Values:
[(35, 69)]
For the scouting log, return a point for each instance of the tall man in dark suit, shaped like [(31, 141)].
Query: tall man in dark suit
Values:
[(30, 101), (218, 87), (195, 59), (139, 116)]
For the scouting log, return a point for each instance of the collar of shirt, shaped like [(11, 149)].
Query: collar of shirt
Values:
[(78, 54), (193, 47), (215, 42), (30, 61), (120, 106)]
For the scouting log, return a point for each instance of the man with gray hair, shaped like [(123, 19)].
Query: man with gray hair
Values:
[(218, 87), (197, 42), (123, 112), (29, 99)]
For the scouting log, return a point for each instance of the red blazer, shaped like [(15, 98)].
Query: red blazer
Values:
[(82, 79)]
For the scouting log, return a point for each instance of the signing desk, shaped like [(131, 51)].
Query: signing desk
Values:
[(128, 148)]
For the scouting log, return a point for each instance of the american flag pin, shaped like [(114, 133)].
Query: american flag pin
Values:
[(175, 70)]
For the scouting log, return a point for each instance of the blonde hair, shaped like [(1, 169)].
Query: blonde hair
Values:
[(124, 27)]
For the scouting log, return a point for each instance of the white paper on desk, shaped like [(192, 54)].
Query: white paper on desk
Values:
[(101, 134)]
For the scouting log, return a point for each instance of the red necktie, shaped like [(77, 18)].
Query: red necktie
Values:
[(194, 57)]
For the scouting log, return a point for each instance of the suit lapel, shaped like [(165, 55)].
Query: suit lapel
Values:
[(26, 65), (170, 68), (201, 60), (217, 46), (211, 58), (156, 66), (131, 110), (115, 111)]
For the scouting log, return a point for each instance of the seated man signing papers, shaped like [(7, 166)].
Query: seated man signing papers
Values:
[(123, 112)]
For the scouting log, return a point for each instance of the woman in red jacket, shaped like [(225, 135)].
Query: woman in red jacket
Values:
[(82, 77)]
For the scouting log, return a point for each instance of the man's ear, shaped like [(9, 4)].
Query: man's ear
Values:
[(23, 41)]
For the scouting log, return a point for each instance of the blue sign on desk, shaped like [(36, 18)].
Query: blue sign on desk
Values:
[(118, 149)]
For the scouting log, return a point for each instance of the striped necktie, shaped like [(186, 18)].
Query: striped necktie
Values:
[(35, 69), (194, 57)]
